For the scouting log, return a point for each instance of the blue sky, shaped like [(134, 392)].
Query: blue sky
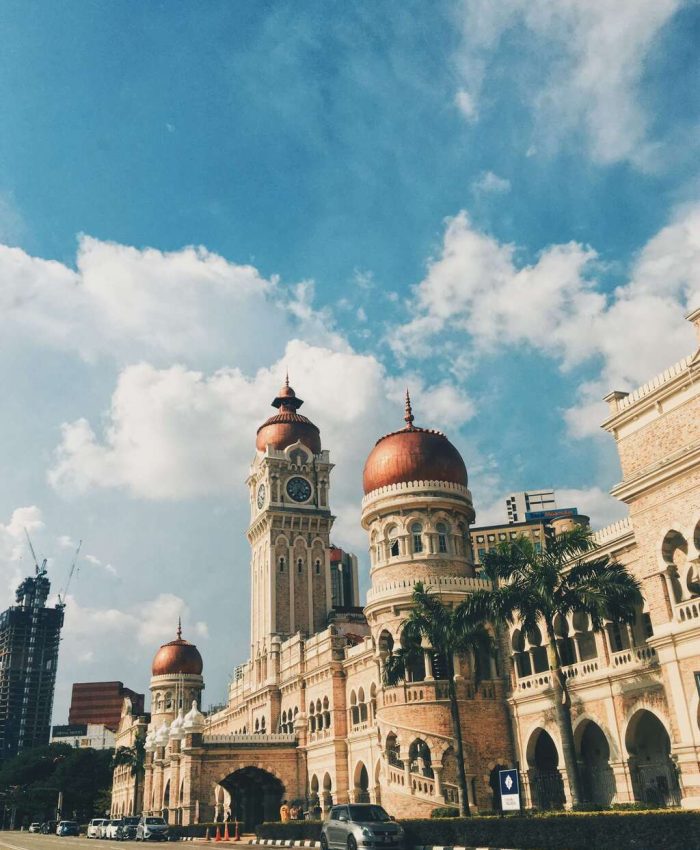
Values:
[(496, 204)]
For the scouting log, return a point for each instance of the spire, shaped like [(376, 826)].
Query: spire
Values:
[(286, 398), (286, 378), (179, 628), (409, 417)]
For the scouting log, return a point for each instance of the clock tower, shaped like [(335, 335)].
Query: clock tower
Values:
[(290, 524)]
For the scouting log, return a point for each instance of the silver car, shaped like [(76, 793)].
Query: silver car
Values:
[(360, 825), (152, 829)]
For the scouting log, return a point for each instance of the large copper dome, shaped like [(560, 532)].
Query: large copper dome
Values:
[(287, 427), (413, 454), (178, 656)]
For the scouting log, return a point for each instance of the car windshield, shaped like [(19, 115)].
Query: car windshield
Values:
[(131, 821), (114, 822), (368, 814), (68, 823), (151, 821)]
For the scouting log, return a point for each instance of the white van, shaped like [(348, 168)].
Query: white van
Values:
[(95, 827)]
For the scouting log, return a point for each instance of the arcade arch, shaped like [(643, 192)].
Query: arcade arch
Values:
[(256, 796)]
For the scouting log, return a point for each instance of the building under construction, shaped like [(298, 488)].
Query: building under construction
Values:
[(29, 637)]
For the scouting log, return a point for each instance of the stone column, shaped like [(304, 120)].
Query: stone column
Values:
[(428, 658), (437, 773)]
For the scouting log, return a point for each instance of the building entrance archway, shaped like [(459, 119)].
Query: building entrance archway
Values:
[(546, 783), (597, 777), (256, 796), (654, 775)]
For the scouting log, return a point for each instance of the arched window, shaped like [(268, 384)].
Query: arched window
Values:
[(362, 705), (441, 529), (417, 536), (354, 710), (168, 701), (318, 567), (392, 535), (282, 564), (262, 726), (300, 565)]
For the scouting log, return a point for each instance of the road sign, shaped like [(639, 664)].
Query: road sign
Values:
[(509, 785)]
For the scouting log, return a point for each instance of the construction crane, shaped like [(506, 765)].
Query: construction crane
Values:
[(64, 593), (39, 570)]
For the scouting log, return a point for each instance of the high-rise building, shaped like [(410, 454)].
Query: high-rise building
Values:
[(344, 584), (29, 638), (529, 501), (101, 703)]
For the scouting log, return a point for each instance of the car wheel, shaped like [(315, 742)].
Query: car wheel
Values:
[(352, 844)]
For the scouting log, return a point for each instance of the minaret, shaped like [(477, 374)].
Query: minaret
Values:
[(290, 526)]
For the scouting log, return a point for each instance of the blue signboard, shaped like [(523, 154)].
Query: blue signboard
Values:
[(509, 786), (550, 514)]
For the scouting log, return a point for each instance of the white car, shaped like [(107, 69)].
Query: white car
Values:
[(35, 827), (94, 827), (112, 828)]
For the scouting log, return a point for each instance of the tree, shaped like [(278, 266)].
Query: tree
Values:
[(134, 758), (33, 779), (447, 630), (535, 587)]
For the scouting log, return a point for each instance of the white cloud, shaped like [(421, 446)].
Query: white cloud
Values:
[(490, 183), (466, 104), (175, 433), (188, 305), (477, 291), (592, 53)]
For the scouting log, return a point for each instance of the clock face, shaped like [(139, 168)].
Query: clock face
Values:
[(298, 489), (261, 496)]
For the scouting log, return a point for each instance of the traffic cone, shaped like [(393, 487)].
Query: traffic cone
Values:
[(218, 834), (226, 835), (237, 836)]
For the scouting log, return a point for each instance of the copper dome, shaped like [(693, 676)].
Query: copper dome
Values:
[(178, 656), (413, 454), (287, 427)]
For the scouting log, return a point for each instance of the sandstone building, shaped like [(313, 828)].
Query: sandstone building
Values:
[(308, 716)]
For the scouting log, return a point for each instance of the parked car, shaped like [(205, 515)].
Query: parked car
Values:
[(112, 827), (365, 825), (102, 828), (35, 827), (67, 827), (152, 829), (48, 827), (93, 830), (128, 829)]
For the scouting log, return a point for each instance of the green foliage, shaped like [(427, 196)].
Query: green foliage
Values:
[(445, 812), (667, 829), (33, 779)]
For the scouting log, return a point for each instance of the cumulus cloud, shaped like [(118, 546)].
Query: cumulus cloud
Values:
[(175, 433), (477, 291), (189, 305), (595, 53)]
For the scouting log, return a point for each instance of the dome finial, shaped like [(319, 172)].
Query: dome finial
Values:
[(179, 628), (409, 417), (286, 377)]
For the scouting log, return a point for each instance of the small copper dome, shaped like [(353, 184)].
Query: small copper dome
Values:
[(413, 454), (178, 656), (287, 427)]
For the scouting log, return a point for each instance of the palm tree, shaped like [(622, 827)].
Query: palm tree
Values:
[(447, 630), (134, 758), (536, 587)]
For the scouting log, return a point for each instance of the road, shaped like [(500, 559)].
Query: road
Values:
[(34, 841)]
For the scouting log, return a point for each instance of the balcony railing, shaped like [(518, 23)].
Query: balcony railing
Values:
[(248, 740), (687, 611)]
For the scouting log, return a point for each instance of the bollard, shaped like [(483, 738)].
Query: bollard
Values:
[(207, 837)]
